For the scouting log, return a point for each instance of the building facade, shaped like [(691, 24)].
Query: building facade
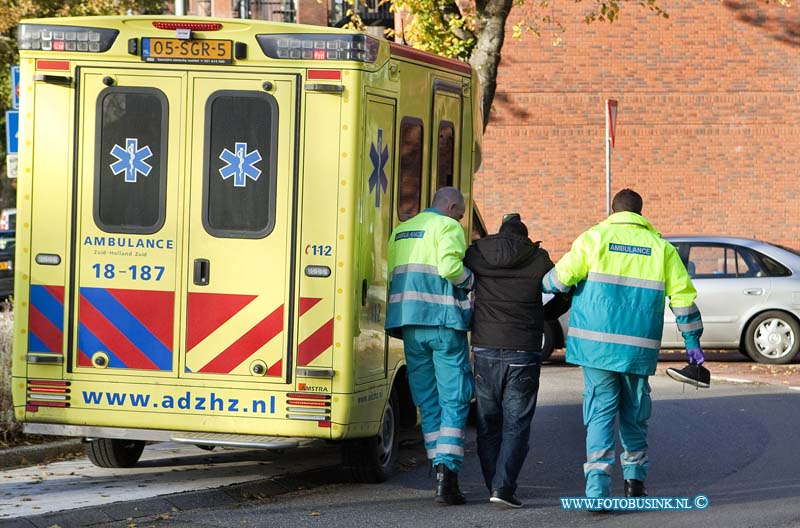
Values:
[(708, 127)]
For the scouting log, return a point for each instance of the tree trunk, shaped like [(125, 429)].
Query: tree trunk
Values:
[(485, 58)]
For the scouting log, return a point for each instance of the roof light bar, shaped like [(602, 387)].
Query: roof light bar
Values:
[(297, 46), (65, 38)]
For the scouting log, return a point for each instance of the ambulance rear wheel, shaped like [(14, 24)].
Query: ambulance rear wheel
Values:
[(373, 460), (114, 452)]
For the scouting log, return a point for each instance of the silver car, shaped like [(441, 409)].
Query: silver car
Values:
[(748, 293)]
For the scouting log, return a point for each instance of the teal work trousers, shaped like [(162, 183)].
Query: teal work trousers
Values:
[(606, 395), (441, 383)]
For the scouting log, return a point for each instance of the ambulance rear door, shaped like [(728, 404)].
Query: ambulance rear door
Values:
[(239, 282), (128, 220)]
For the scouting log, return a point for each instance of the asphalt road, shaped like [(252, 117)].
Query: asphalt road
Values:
[(734, 443)]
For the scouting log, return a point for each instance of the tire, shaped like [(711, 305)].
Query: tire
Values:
[(552, 332), (372, 460), (114, 453), (772, 337)]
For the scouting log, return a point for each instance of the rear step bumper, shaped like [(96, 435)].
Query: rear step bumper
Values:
[(182, 437)]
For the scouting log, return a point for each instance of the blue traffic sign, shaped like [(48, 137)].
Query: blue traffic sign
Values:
[(12, 131), (15, 87)]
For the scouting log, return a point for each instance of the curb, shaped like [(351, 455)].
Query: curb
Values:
[(36, 454), (164, 506)]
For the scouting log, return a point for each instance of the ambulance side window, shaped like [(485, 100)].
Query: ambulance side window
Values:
[(444, 155), (410, 182), (130, 167), (241, 131)]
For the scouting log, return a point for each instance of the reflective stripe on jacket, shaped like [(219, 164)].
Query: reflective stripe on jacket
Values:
[(428, 280), (623, 271)]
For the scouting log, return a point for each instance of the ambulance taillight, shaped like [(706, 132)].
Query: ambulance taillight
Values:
[(65, 38), (359, 48)]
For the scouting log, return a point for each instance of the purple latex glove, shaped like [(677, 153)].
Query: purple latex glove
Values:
[(695, 355)]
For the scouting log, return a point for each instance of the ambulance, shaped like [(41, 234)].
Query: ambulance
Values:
[(204, 213)]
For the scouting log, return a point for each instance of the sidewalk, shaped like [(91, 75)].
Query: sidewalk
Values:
[(38, 453), (74, 492)]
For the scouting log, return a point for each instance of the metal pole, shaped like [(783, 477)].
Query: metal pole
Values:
[(608, 174), (180, 8)]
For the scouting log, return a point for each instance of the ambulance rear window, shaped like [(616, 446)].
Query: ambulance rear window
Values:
[(241, 154), (130, 182)]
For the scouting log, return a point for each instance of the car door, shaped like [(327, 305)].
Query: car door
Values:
[(730, 287)]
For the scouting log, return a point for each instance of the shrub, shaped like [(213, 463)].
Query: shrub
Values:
[(9, 428)]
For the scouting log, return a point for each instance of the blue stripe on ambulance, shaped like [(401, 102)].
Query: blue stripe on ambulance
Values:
[(126, 323)]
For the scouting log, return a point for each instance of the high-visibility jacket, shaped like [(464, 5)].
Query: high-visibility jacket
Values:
[(623, 271), (428, 281)]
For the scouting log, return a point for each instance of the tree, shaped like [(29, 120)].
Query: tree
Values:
[(12, 11), (475, 32)]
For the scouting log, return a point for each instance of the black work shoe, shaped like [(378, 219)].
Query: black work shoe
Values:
[(509, 500), (693, 374), (447, 492), (635, 488)]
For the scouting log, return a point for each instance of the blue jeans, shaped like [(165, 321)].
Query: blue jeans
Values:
[(506, 387)]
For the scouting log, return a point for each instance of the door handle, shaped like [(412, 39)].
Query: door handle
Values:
[(754, 291), (202, 270)]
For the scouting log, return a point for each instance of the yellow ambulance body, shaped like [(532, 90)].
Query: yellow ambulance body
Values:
[(204, 210)]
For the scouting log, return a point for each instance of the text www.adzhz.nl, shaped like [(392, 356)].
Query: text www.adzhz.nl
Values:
[(187, 402)]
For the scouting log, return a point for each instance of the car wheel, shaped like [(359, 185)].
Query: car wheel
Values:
[(772, 337), (552, 333), (114, 452), (743, 350)]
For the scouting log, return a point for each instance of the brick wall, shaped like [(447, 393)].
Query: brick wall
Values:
[(708, 129), (312, 12)]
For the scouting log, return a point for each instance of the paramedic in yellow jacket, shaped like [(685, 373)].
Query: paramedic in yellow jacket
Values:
[(429, 309), (622, 271)]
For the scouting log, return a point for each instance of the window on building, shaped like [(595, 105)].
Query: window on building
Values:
[(240, 179), (130, 168), (410, 181), (444, 155)]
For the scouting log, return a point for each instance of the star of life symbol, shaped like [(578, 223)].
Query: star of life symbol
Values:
[(131, 160), (379, 157), (240, 164)]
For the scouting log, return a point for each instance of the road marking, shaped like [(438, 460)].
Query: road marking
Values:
[(795, 388), (732, 380)]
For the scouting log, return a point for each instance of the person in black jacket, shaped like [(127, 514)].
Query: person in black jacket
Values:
[(507, 332)]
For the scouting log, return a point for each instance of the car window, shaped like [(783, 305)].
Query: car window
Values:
[(7, 242), (721, 262), (771, 267)]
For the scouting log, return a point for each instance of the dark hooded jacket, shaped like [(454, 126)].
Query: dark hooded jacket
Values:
[(508, 292)]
